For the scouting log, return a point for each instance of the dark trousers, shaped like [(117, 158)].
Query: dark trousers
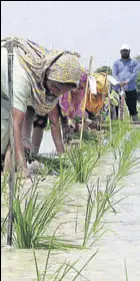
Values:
[(131, 101)]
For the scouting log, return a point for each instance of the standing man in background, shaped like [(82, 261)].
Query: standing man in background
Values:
[(125, 71)]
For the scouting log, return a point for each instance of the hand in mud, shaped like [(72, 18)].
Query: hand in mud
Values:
[(28, 151), (28, 156), (66, 134)]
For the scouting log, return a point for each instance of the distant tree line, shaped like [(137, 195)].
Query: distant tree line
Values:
[(106, 69)]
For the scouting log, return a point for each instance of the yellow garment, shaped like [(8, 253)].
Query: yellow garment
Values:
[(94, 103), (101, 82), (62, 67), (73, 103)]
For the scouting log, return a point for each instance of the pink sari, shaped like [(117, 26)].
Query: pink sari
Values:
[(72, 103)]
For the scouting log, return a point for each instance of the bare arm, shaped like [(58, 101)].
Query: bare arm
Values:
[(55, 129), (27, 128), (18, 117), (28, 122)]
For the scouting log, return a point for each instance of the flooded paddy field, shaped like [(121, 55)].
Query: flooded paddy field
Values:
[(120, 243)]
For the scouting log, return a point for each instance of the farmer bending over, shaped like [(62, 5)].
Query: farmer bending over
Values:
[(39, 78)]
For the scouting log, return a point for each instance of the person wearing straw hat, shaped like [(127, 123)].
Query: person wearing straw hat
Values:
[(39, 78), (125, 71)]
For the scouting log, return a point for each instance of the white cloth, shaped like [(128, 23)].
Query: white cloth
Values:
[(21, 83), (21, 94), (112, 80), (92, 85)]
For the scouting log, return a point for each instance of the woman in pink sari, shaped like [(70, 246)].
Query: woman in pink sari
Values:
[(72, 104)]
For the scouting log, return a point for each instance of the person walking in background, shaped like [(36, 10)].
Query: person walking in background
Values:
[(125, 71)]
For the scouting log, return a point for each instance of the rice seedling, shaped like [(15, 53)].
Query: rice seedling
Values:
[(4, 226), (52, 164), (88, 137), (5, 198), (63, 270), (4, 185), (32, 217), (99, 202), (41, 277), (68, 267), (125, 155), (119, 131), (82, 160), (19, 183), (126, 272), (47, 260)]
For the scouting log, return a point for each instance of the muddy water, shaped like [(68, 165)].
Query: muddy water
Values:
[(120, 243)]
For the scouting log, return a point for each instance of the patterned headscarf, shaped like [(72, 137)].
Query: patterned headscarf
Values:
[(66, 69), (63, 67)]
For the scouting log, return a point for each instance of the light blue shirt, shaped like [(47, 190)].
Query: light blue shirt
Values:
[(126, 70)]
